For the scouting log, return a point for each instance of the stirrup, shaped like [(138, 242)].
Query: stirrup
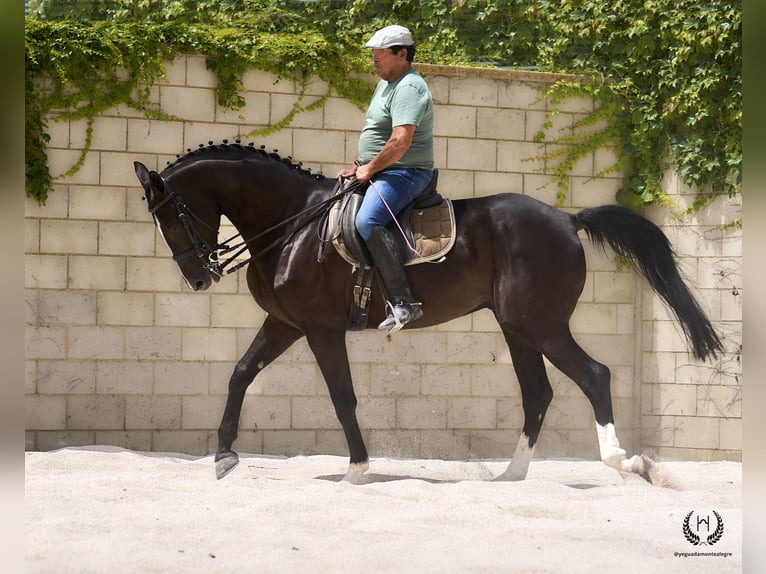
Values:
[(399, 315)]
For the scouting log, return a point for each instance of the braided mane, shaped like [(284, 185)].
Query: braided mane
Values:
[(238, 150)]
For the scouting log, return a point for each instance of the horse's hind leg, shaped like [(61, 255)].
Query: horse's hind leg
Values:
[(593, 378), (272, 340), (329, 347), (536, 395)]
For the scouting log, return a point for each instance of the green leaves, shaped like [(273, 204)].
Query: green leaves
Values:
[(666, 72)]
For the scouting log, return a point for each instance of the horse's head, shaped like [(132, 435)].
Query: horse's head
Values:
[(188, 222)]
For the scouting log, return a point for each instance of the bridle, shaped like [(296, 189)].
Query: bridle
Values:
[(209, 255), (206, 253)]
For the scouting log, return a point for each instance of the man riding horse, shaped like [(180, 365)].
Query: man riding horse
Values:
[(396, 156)]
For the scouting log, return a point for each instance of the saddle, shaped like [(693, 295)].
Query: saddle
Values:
[(427, 224)]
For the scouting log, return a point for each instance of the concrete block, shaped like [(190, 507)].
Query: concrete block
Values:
[(132, 440), (89, 413), (153, 274), (95, 342), (588, 192), (124, 378), (674, 399), (450, 380), (594, 318), (152, 413), (31, 236), (154, 136), (187, 441), (65, 237), (731, 434), (125, 308), (182, 310), (474, 92), (471, 413), (109, 133), (265, 413), (493, 443), (235, 311), (153, 343), (255, 111), (262, 81), (198, 74), (697, 432), (494, 381), (719, 401), (470, 154), (289, 443), (189, 104), (181, 378), (42, 342), (421, 413), (455, 121), (377, 413), (313, 413), (60, 161), (510, 414), (283, 105), (67, 307), (126, 238), (520, 157), (340, 114), (96, 272), (208, 344), (500, 124), (422, 347), (521, 95), (288, 379), (91, 202), (319, 145), (489, 183), (395, 380), (202, 411), (471, 348), (44, 412), (541, 187)]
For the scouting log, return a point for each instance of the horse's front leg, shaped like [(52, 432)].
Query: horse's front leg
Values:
[(329, 347), (272, 340)]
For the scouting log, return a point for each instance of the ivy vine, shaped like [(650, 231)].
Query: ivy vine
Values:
[(666, 74)]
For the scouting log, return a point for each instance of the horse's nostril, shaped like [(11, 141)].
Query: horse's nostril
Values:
[(198, 285)]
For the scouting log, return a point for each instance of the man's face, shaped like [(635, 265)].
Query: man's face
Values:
[(389, 66)]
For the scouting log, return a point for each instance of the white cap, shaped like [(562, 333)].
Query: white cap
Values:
[(390, 36)]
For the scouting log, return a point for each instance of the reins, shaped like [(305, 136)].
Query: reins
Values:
[(210, 255)]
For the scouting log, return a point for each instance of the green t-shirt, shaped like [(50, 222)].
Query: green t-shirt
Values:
[(404, 101)]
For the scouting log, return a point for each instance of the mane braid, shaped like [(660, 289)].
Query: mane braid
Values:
[(243, 150)]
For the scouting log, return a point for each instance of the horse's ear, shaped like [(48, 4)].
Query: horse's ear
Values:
[(150, 180)]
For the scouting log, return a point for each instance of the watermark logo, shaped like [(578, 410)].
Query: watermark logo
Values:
[(701, 529)]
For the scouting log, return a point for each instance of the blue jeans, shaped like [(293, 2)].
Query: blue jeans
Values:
[(398, 187)]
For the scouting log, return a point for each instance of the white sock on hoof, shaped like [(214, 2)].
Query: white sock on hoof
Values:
[(519, 466), (355, 471)]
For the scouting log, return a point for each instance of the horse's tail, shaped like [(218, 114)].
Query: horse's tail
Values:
[(646, 246)]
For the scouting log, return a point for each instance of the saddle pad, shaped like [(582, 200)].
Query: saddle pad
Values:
[(432, 233)]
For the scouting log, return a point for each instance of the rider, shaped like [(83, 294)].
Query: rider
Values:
[(396, 154)]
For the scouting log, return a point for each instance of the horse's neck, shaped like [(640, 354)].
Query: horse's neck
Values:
[(255, 202)]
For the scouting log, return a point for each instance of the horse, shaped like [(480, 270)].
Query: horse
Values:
[(514, 255)]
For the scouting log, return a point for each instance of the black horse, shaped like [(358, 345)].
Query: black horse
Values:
[(514, 255)]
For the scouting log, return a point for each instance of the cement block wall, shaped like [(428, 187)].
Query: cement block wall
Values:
[(120, 352)]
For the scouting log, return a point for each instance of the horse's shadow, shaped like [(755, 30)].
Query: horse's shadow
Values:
[(377, 478)]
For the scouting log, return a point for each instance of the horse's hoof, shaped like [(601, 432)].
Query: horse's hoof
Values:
[(646, 469), (225, 465), (355, 471)]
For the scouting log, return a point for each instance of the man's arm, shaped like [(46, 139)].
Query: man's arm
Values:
[(396, 146)]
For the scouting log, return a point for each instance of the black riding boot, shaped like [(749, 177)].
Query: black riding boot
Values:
[(388, 260)]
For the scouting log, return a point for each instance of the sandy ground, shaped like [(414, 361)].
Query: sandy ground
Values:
[(103, 509)]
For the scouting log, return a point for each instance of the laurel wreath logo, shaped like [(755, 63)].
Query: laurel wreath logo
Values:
[(694, 538)]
